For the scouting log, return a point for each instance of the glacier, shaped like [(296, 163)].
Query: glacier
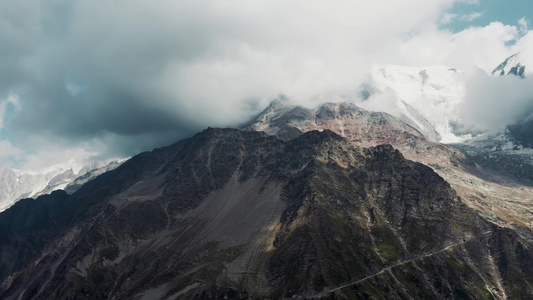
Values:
[(427, 98)]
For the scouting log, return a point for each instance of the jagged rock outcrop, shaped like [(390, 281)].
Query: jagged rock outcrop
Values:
[(237, 214), (502, 198)]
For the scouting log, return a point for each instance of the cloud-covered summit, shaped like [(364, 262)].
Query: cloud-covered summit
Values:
[(119, 77)]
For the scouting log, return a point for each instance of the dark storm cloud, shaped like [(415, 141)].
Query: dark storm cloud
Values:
[(133, 75), (81, 70)]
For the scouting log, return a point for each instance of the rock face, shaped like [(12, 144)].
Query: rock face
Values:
[(361, 127), (500, 195), (355, 124), (237, 214)]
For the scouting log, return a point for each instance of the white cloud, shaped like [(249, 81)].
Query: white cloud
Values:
[(492, 103), (132, 75), (523, 24), (483, 47), (495, 102), (9, 152), (131, 69), (473, 16), (450, 17), (53, 156), (11, 99)]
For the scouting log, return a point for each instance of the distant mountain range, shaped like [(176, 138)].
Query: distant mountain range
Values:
[(16, 184)]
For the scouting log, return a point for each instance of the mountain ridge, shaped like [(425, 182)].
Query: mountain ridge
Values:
[(17, 184), (483, 186), (241, 214)]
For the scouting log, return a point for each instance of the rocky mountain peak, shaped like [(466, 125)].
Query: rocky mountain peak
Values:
[(240, 214), (515, 64), (346, 119)]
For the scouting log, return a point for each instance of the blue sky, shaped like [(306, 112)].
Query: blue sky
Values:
[(507, 12)]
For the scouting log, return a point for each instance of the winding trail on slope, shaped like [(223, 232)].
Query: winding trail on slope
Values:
[(389, 268)]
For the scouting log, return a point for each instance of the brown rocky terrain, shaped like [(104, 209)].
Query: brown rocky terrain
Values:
[(500, 197), (243, 215)]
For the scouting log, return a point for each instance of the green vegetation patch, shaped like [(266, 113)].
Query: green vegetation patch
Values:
[(454, 263), (388, 252)]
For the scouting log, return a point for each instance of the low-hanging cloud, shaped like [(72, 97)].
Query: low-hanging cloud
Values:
[(126, 76), (492, 103)]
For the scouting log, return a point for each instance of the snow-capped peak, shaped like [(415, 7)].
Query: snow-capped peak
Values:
[(18, 184), (425, 97), (516, 64)]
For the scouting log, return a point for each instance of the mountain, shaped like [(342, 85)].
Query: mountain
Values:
[(244, 215), (17, 184), (521, 132), (428, 99), (484, 178), (510, 150), (287, 121), (515, 64), (425, 98)]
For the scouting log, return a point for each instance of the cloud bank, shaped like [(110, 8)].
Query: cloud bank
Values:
[(494, 102), (119, 77)]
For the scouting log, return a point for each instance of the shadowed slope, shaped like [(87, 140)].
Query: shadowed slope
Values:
[(240, 214)]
